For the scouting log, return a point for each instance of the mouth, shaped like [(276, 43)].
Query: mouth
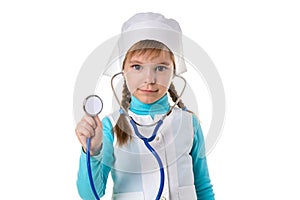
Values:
[(148, 90)]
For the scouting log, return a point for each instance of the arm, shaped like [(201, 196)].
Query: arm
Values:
[(100, 165), (201, 176)]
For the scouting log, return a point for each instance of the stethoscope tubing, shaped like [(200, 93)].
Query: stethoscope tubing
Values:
[(154, 153), (89, 170), (161, 169)]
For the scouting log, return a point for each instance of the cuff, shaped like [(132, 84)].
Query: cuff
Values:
[(97, 157)]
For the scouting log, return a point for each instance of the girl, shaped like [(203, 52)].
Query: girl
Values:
[(148, 69)]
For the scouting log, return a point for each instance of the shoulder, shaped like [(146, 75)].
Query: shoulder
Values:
[(112, 118), (181, 113), (108, 123), (196, 121), (191, 119), (186, 116)]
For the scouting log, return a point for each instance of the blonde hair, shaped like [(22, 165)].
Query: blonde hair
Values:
[(152, 48)]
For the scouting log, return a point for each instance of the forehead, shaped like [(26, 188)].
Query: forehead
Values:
[(149, 55)]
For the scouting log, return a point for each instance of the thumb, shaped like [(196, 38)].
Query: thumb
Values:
[(98, 121)]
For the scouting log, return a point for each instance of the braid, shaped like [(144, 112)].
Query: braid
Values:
[(174, 96), (122, 128), (126, 97)]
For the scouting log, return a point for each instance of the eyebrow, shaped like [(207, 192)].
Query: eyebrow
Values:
[(139, 62)]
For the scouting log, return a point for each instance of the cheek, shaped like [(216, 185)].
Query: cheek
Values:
[(165, 80), (133, 82)]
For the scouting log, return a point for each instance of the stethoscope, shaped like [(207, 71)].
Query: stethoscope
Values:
[(93, 105)]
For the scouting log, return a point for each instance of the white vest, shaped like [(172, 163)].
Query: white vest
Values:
[(136, 172)]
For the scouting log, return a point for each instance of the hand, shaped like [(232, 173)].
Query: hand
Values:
[(90, 127)]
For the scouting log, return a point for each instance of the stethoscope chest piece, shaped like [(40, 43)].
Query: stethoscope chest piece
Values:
[(92, 105)]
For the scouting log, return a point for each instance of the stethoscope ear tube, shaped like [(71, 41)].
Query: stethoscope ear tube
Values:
[(124, 112)]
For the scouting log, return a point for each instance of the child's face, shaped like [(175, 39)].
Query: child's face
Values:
[(148, 78)]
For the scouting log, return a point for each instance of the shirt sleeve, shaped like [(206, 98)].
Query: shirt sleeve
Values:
[(100, 166), (201, 176)]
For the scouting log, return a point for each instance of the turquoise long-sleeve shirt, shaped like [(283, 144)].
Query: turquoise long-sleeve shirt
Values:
[(100, 163)]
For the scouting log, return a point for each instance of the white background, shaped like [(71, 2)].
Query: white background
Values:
[(254, 45)]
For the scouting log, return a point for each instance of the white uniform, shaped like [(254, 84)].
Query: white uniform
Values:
[(135, 170)]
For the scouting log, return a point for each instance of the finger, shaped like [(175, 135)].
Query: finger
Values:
[(90, 120), (98, 121), (81, 138), (87, 126), (83, 131)]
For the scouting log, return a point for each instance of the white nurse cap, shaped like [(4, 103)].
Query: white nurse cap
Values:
[(148, 26)]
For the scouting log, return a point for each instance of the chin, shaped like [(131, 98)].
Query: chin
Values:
[(148, 101)]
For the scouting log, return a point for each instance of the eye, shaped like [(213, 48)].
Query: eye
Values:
[(161, 68), (137, 67)]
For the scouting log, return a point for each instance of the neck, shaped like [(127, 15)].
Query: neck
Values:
[(160, 106)]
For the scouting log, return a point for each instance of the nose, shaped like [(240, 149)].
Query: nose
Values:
[(150, 77)]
